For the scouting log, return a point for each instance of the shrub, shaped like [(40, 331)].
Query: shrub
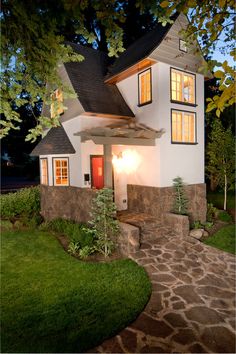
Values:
[(104, 225), (224, 216), (211, 212), (24, 203), (197, 225), (86, 251), (73, 247)]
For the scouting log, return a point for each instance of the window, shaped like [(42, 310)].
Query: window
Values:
[(61, 171), (145, 91), (183, 127), (44, 171), (182, 86), (56, 106), (183, 46)]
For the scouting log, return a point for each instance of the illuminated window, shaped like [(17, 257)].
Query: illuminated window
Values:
[(182, 86), (44, 171), (56, 106), (183, 127), (183, 46), (61, 172), (145, 92)]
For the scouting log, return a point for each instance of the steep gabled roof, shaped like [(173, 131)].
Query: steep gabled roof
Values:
[(140, 49), (55, 142), (87, 79)]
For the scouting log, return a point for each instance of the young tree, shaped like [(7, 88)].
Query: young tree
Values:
[(181, 202), (104, 225), (220, 151)]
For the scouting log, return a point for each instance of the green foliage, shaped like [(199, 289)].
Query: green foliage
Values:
[(220, 162), (77, 233), (73, 247), (53, 303), (86, 251), (197, 224), (103, 224), (181, 202), (224, 216), (24, 203), (224, 239), (208, 225), (211, 212)]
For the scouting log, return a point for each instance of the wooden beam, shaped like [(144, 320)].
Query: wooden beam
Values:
[(141, 65), (100, 140), (105, 115), (107, 151)]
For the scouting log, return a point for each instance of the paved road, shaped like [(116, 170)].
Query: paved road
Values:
[(192, 306)]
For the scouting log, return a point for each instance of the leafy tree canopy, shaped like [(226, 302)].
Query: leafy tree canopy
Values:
[(33, 33)]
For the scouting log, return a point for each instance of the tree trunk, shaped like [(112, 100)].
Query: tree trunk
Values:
[(225, 192)]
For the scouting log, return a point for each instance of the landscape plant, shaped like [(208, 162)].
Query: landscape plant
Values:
[(104, 224), (180, 202), (220, 162)]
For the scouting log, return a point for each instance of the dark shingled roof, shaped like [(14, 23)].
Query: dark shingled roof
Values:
[(87, 78), (55, 142), (141, 48)]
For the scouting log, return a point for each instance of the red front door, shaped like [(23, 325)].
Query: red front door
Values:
[(97, 172)]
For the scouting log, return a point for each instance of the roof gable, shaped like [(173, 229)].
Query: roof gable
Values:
[(87, 79), (55, 142)]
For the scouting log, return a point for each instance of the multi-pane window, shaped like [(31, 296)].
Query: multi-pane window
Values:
[(183, 46), (44, 171), (61, 171), (182, 86), (145, 87), (183, 127), (57, 104)]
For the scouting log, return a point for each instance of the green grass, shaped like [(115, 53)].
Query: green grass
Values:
[(51, 302), (224, 239), (217, 199)]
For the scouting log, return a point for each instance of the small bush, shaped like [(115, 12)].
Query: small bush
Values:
[(224, 216), (211, 212), (77, 233), (197, 225), (86, 251), (73, 247), (24, 203)]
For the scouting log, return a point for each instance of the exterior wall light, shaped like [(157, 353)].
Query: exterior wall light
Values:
[(126, 161)]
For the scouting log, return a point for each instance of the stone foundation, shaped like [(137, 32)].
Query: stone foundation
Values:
[(70, 203), (178, 223), (128, 241), (157, 201)]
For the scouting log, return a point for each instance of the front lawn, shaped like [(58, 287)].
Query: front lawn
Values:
[(52, 302), (223, 239)]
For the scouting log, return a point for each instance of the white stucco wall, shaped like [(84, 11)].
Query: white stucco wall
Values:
[(165, 161)]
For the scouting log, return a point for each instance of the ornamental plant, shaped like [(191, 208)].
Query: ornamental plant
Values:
[(104, 225), (181, 201)]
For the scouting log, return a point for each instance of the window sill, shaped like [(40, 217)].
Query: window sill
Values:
[(184, 103), (182, 143), (144, 104)]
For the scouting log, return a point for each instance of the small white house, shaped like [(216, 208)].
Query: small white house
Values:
[(135, 126)]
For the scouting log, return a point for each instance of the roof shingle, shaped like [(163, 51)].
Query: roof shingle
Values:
[(55, 142)]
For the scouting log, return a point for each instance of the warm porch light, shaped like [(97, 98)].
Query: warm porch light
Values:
[(126, 161)]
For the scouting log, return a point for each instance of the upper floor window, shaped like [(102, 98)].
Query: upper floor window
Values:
[(56, 106), (183, 127), (145, 87), (61, 171), (182, 86), (44, 171), (183, 46)]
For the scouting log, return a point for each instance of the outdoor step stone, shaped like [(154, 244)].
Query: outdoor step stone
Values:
[(188, 293), (129, 339), (213, 291), (219, 339), (163, 278), (196, 348), (184, 336), (178, 305), (204, 315), (175, 320), (152, 327)]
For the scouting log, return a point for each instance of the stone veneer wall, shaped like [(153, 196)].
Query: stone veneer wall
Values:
[(157, 201), (66, 202)]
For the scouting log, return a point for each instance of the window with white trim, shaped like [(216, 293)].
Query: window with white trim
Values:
[(44, 171), (183, 127), (61, 171), (145, 87), (182, 86), (57, 103)]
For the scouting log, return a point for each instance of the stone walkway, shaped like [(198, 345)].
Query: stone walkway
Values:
[(192, 306)]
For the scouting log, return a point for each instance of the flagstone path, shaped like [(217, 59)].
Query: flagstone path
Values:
[(192, 306)]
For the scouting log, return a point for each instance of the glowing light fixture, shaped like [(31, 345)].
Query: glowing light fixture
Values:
[(126, 161)]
